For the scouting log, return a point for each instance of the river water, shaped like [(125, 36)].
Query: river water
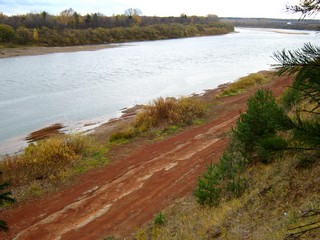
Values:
[(93, 86)]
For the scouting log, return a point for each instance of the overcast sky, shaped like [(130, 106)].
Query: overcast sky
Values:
[(222, 8)]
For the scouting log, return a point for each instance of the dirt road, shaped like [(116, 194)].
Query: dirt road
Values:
[(117, 199)]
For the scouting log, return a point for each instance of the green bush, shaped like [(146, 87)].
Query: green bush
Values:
[(24, 35), (7, 33)]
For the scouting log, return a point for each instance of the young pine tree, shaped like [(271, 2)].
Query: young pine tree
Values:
[(208, 190), (261, 121)]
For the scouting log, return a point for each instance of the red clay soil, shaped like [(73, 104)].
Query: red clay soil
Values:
[(118, 199)]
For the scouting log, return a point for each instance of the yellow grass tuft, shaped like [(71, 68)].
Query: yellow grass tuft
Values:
[(49, 159), (163, 112), (244, 83)]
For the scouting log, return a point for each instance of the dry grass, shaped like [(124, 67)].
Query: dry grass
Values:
[(244, 83), (182, 111), (48, 159), (162, 113), (278, 194)]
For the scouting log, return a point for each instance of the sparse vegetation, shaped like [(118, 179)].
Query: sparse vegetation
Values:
[(42, 166), (244, 83), (48, 159), (168, 114), (278, 195)]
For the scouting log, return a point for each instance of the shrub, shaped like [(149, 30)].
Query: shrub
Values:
[(186, 110), (24, 36), (51, 158), (7, 33), (126, 133), (163, 112), (182, 111)]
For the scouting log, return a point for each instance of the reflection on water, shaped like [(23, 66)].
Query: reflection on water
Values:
[(37, 91)]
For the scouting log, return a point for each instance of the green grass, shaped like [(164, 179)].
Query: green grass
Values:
[(244, 83), (159, 219), (167, 131), (97, 159)]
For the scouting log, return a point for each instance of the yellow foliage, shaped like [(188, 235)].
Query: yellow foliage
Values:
[(162, 112), (35, 35), (51, 158)]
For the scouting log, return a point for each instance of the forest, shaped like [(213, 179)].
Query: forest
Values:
[(71, 28), (298, 24)]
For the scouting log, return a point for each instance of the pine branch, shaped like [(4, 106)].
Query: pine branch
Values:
[(306, 225), (306, 8), (297, 235), (312, 111), (310, 94), (310, 213), (293, 61)]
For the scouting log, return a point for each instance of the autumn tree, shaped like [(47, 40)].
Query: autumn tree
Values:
[(24, 36), (7, 33), (133, 11)]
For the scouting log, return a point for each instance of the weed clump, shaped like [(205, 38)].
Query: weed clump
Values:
[(243, 84), (47, 159), (159, 219), (162, 113)]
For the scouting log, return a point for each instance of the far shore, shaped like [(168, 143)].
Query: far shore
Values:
[(41, 50), (33, 51)]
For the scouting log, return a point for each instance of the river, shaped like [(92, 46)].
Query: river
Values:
[(93, 86)]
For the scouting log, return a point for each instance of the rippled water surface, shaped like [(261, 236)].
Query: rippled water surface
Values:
[(70, 88)]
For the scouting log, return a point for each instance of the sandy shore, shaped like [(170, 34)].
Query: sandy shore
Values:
[(32, 51)]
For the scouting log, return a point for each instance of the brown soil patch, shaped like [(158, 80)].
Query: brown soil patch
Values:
[(116, 200), (44, 133)]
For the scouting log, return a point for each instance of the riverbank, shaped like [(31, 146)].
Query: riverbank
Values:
[(139, 174), (101, 129), (34, 51)]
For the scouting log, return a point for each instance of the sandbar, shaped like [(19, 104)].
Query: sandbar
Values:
[(32, 51)]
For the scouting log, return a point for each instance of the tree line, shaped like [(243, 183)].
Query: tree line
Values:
[(71, 28), (306, 24)]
